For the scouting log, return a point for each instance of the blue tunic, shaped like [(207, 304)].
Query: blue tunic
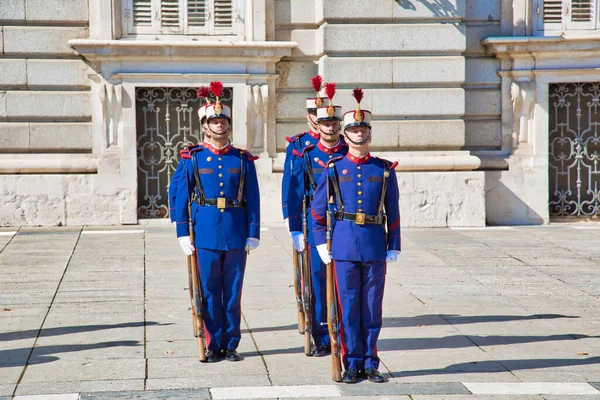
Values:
[(219, 172), (297, 143)]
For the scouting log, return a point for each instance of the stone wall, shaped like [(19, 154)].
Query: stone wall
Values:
[(45, 108)]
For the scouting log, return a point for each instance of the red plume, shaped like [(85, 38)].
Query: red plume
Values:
[(216, 88), (203, 91), (317, 82), (330, 90), (358, 94)]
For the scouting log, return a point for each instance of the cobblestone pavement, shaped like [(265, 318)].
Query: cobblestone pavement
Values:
[(492, 313)]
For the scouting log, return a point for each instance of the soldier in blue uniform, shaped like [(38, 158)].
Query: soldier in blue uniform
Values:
[(306, 171), (202, 93), (299, 141), (362, 192), (222, 184)]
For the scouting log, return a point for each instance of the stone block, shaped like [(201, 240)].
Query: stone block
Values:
[(12, 73), (431, 134), (56, 105), (292, 12), (429, 70), (380, 10), (310, 42), (41, 40), (393, 38), (486, 134), (14, 137), (412, 9), (483, 102), (476, 33), (296, 74), (483, 10), (61, 137), (353, 70), (440, 199), (57, 73), (91, 209), (288, 128), (385, 135), (12, 10), (292, 104), (57, 10), (482, 71), (416, 102), (2, 106)]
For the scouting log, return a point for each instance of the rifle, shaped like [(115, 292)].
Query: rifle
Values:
[(332, 310), (196, 289), (297, 260), (307, 280)]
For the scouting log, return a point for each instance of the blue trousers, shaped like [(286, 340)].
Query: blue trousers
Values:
[(320, 332), (360, 299), (222, 274)]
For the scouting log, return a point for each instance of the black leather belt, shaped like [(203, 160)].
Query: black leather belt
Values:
[(222, 202), (360, 218)]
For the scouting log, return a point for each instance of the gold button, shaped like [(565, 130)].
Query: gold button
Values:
[(219, 158), (222, 210), (360, 175), (360, 193), (359, 167), (359, 184), (330, 156), (222, 193), (221, 184), (220, 175), (360, 210), (360, 202), (220, 166)]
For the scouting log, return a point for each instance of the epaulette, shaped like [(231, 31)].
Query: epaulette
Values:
[(185, 154), (295, 137), (330, 162), (249, 155), (390, 165), (196, 149), (298, 154)]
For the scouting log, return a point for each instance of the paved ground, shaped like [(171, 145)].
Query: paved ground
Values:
[(494, 313)]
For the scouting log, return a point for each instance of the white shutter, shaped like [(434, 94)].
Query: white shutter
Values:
[(581, 14), (196, 13), (550, 15), (223, 15), (169, 15)]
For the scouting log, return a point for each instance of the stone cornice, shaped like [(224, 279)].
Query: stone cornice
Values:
[(176, 50), (512, 47)]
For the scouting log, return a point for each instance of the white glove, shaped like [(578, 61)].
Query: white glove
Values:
[(251, 244), (392, 256), (323, 253), (186, 245), (298, 239), (287, 225)]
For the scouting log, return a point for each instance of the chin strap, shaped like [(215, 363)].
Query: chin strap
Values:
[(219, 134), (367, 140), (332, 133)]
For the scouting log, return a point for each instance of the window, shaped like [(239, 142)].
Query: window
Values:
[(554, 16), (183, 17)]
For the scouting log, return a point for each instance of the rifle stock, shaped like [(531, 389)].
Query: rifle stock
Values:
[(298, 288), (332, 312), (307, 280), (198, 296)]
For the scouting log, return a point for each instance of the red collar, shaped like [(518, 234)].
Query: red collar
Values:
[(358, 160), (329, 150), (314, 135), (218, 152)]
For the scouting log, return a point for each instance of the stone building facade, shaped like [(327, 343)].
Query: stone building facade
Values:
[(95, 98)]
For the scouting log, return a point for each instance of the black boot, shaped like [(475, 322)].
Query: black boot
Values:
[(212, 356), (374, 376), (232, 355), (350, 376), (321, 351)]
